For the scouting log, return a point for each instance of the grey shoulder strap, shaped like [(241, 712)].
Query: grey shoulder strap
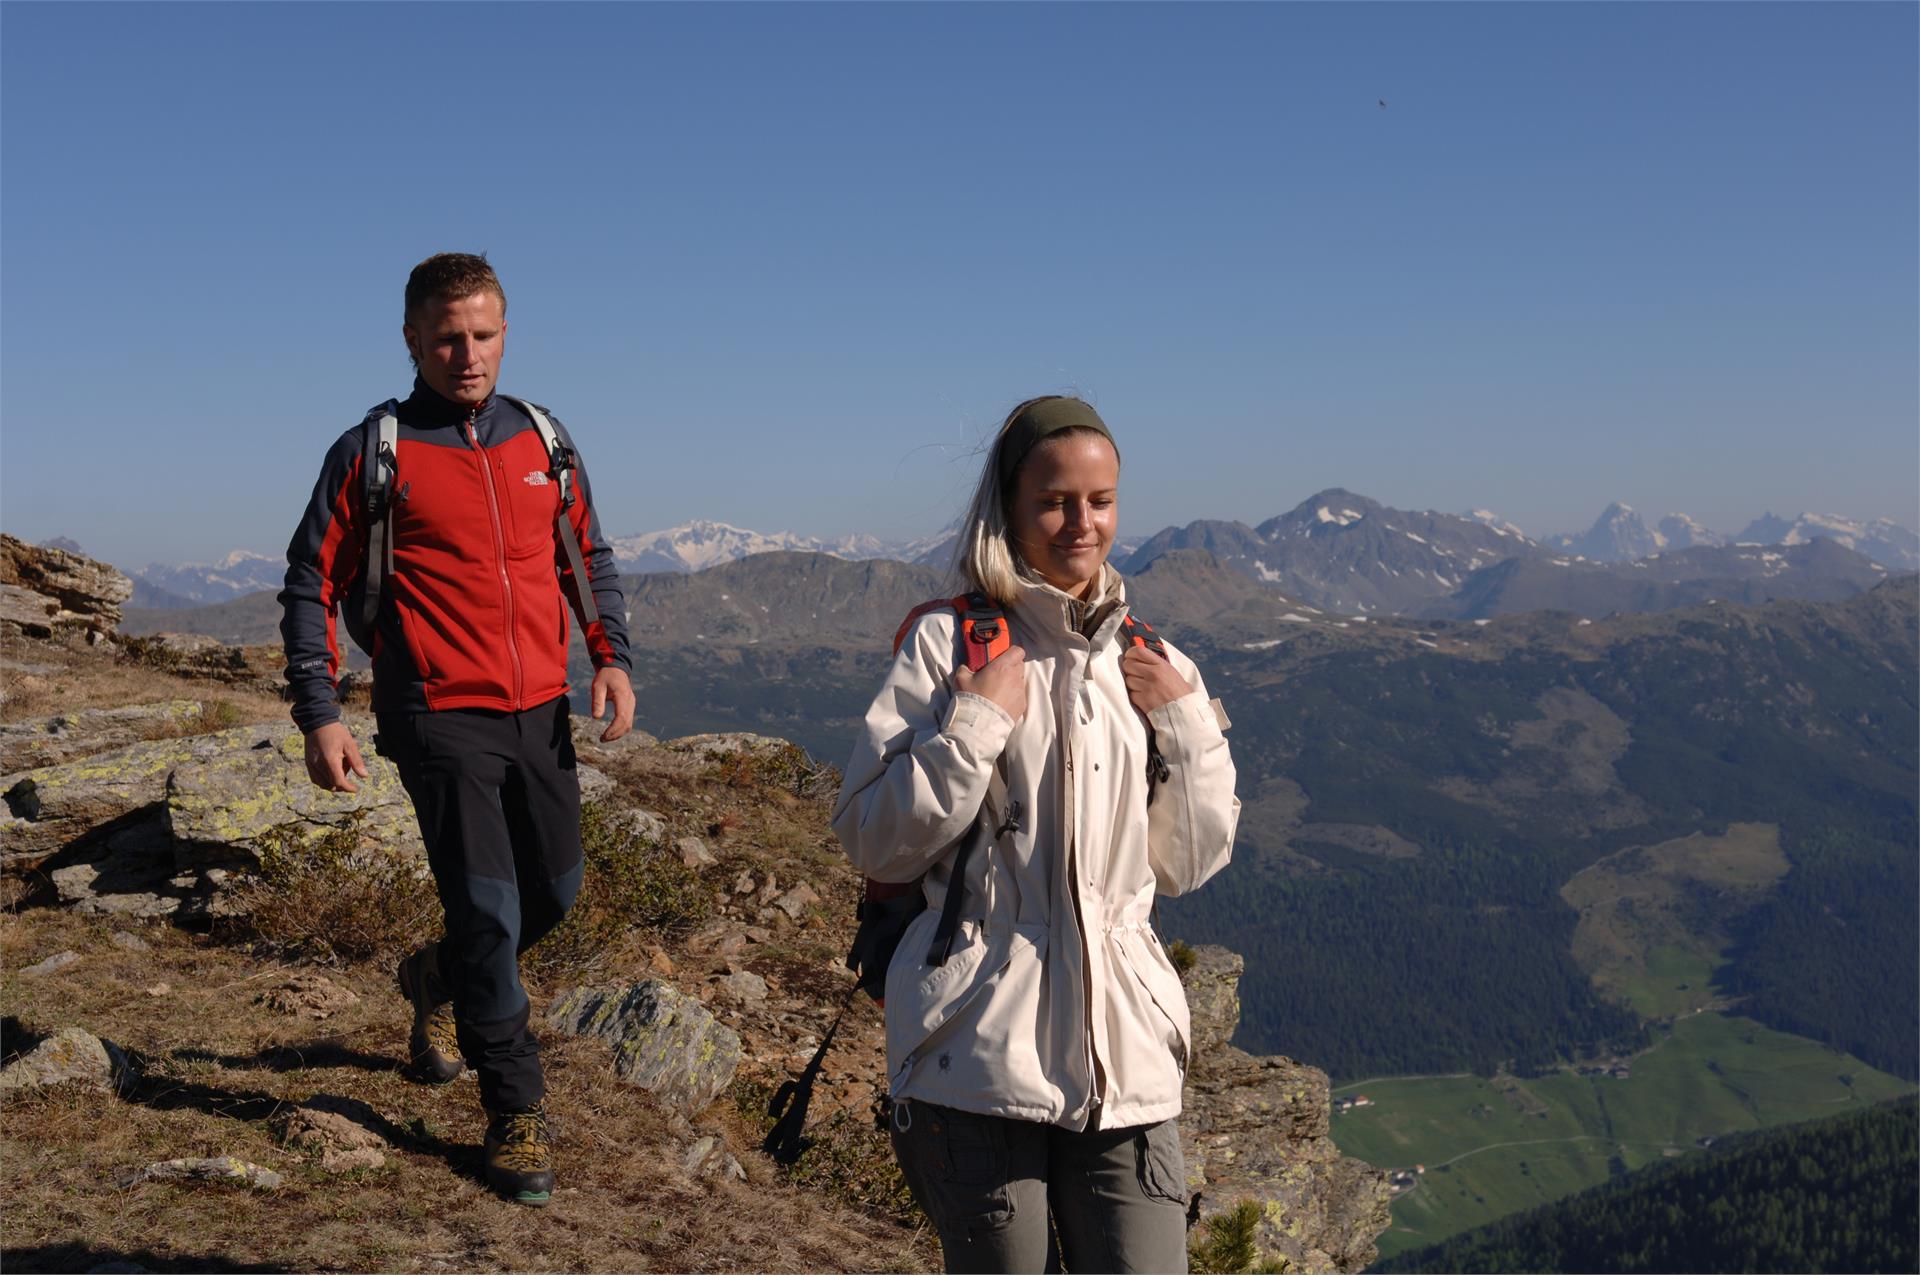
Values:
[(380, 468), (560, 466)]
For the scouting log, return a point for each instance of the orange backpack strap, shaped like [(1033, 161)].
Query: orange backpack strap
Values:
[(983, 627), (1135, 631)]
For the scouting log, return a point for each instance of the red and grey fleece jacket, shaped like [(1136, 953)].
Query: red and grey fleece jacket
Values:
[(473, 615)]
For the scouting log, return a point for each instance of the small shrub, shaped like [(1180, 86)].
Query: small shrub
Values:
[(327, 899), (216, 715), (632, 887), (781, 766), (1226, 1245), (148, 652), (1183, 956), (848, 1155)]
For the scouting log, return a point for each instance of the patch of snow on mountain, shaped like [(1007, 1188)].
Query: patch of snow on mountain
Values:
[(1495, 523)]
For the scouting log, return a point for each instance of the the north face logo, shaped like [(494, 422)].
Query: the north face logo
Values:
[(538, 478)]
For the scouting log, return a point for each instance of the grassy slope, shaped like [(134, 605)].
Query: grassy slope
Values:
[(219, 1067), (1711, 1074)]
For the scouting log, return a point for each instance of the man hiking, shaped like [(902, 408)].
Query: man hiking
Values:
[(455, 527)]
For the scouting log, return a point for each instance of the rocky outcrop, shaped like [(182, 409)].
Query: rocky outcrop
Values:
[(1258, 1129), (156, 828), (48, 593), (50, 741), (663, 1040)]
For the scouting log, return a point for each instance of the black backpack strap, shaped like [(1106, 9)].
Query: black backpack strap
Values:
[(560, 465), (984, 636), (1137, 632), (942, 945), (379, 466)]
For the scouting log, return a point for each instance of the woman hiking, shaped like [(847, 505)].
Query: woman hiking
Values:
[(1036, 1069)]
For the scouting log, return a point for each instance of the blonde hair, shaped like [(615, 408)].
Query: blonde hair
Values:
[(984, 557)]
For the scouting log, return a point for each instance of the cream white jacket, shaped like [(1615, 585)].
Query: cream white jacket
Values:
[(1058, 1003)]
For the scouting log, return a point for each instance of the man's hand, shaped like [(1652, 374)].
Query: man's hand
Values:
[(1003, 680), (612, 681), (1151, 681), (333, 758)]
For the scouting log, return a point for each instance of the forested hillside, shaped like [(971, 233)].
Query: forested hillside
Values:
[(1412, 816), (1831, 1195)]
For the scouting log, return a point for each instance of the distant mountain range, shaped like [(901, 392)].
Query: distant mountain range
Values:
[(1621, 535), (200, 583), (1336, 550), (697, 545), (1343, 552)]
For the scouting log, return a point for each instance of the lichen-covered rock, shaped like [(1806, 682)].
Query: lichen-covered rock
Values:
[(1213, 996), (58, 804), (224, 1168), (86, 592), (663, 1041), (49, 741), (225, 807), (71, 1055)]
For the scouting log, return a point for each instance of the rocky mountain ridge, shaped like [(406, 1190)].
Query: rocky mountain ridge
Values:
[(144, 851)]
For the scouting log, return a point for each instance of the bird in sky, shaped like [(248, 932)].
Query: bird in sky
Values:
[(1383, 103)]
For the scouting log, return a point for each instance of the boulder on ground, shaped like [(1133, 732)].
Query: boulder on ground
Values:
[(52, 964), (663, 1041), (225, 808), (71, 1055)]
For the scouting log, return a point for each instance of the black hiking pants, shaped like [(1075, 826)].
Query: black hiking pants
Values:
[(499, 807)]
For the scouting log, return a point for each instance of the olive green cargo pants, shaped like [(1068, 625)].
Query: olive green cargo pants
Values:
[(1117, 1197)]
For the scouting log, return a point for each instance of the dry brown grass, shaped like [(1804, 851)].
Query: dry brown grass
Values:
[(220, 1066), (76, 678)]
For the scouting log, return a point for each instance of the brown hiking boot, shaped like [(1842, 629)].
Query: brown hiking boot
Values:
[(519, 1154), (433, 1049)]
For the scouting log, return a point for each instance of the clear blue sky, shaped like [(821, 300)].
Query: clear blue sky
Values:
[(784, 266)]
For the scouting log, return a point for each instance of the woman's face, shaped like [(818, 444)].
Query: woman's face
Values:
[(1065, 509)]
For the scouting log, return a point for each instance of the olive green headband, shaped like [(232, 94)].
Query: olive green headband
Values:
[(1039, 421)]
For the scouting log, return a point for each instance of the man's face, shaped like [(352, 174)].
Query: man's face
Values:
[(458, 345)]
